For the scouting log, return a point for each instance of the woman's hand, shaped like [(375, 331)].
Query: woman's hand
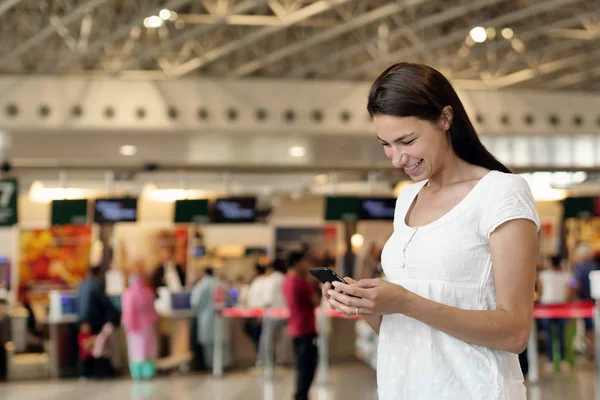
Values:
[(371, 297), (328, 287)]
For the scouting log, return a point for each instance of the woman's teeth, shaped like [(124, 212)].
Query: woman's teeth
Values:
[(413, 167)]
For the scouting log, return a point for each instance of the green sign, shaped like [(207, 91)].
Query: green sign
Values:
[(191, 212), (342, 209), (69, 212), (9, 191)]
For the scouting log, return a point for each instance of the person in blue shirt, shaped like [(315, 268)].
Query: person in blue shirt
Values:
[(584, 263)]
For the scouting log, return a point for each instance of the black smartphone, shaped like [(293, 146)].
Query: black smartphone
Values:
[(326, 275)]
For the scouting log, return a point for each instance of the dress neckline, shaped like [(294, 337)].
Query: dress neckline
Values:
[(458, 207)]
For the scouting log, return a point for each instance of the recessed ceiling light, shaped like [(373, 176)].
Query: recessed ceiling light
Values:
[(297, 152), (508, 33), (164, 14), (153, 22), (478, 34), (128, 150)]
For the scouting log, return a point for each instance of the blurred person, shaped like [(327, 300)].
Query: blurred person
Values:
[(584, 263), (140, 322), (370, 263), (35, 338), (102, 365), (85, 342), (302, 298), (274, 299), (456, 308), (168, 273), (555, 281), (256, 298), (93, 305), (207, 296)]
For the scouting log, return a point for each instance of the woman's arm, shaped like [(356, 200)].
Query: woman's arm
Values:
[(513, 247)]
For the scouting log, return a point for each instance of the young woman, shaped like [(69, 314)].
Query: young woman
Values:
[(456, 307)]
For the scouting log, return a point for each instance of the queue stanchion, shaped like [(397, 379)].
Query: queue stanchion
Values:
[(218, 352), (266, 339), (595, 292), (324, 324), (219, 305), (532, 354), (597, 344)]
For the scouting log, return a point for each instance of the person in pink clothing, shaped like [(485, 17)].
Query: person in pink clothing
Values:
[(139, 321)]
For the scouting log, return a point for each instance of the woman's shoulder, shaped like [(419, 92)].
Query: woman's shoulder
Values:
[(503, 181)]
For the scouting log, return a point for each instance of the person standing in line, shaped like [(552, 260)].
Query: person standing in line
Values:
[(555, 281), (302, 299), (205, 300), (456, 306), (584, 263), (140, 322)]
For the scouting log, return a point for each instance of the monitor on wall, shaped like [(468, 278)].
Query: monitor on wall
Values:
[(234, 210), (108, 211), (375, 208)]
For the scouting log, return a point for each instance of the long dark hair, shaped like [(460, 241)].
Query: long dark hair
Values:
[(416, 90)]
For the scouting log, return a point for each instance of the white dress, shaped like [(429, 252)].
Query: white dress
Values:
[(448, 261)]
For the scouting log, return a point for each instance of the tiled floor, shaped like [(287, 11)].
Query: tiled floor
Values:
[(353, 381)]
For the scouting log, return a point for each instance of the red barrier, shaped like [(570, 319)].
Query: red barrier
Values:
[(280, 313), (576, 309)]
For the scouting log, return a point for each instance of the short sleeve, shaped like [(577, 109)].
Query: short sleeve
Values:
[(509, 198)]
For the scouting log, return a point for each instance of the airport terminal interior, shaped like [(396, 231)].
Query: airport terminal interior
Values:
[(174, 172)]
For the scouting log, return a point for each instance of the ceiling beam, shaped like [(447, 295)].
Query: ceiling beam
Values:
[(7, 5), (458, 36), (241, 8), (121, 33), (541, 70), (424, 23), (288, 20), (575, 78), (50, 30), (364, 19), (254, 20), (501, 64)]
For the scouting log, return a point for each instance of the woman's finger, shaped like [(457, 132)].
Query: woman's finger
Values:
[(326, 287), (349, 310), (352, 301), (353, 290), (349, 280)]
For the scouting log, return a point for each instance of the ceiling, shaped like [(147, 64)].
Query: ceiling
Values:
[(551, 44)]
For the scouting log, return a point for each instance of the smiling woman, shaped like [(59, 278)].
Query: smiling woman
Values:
[(456, 306)]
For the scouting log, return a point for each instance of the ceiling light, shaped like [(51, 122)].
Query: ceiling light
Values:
[(153, 22), (478, 34), (173, 16), (357, 240), (297, 152), (164, 14), (491, 32), (508, 33), (128, 150)]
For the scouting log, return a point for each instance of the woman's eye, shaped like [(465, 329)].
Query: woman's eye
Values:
[(409, 142), (385, 144)]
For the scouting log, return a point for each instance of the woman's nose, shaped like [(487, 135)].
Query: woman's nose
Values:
[(399, 159)]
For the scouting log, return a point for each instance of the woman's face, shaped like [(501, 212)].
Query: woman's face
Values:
[(419, 147)]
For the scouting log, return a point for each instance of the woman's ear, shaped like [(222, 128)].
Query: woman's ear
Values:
[(447, 117)]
